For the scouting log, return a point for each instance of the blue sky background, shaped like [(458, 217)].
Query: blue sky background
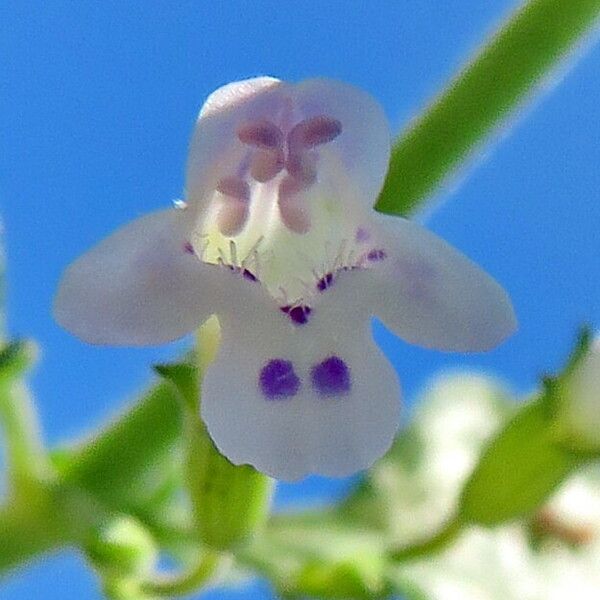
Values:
[(97, 101)]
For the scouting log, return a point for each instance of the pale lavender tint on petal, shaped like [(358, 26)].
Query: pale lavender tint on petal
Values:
[(139, 286), (430, 294)]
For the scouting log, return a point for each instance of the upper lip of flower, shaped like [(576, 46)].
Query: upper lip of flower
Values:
[(278, 238)]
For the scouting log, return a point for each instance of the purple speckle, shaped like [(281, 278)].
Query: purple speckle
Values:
[(362, 234), (249, 275), (325, 282), (331, 377), (377, 255), (278, 380), (188, 248), (298, 314)]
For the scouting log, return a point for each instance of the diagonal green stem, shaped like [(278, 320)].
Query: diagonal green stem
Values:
[(502, 75), (441, 540)]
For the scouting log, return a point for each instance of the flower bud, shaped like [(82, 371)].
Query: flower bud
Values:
[(578, 402), (123, 547)]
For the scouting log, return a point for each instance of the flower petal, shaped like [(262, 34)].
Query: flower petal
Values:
[(430, 294), (293, 399), (215, 149), (364, 142), (139, 286)]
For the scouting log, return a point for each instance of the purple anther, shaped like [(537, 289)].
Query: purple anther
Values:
[(331, 377), (249, 275), (278, 380), (234, 187), (302, 166), (325, 282), (313, 132), (293, 209), (262, 134), (362, 235), (377, 255), (188, 248), (265, 164)]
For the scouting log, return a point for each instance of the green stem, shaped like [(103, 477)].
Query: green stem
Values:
[(433, 545), (186, 583), (496, 82), (107, 464), (27, 530), (27, 463)]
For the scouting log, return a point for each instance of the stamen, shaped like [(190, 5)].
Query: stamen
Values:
[(234, 187), (292, 207), (266, 164), (302, 165), (188, 248), (261, 134), (314, 131), (233, 213)]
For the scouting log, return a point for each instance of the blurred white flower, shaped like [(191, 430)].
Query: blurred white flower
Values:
[(278, 237), (553, 556)]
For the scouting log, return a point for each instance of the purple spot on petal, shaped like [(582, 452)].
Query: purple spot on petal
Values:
[(325, 282), (377, 255), (298, 314), (249, 275), (188, 248), (331, 377), (278, 380), (362, 234)]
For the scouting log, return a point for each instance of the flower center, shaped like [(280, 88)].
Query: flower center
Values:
[(284, 211)]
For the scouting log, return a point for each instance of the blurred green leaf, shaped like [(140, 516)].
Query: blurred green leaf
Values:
[(519, 470), (526, 461), (125, 461), (503, 74)]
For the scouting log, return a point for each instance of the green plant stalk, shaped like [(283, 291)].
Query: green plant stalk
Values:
[(438, 542), (107, 464), (504, 73), (27, 462), (186, 583), (26, 531)]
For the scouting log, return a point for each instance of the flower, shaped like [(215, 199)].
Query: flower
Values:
[(278, 237)]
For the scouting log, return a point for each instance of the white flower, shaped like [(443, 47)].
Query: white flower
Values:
[(279, 238)]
